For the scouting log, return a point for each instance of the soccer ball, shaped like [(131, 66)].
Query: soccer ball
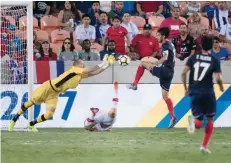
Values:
[(124, 60)]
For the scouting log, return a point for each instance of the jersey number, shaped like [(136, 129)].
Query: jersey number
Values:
[(197, 67)]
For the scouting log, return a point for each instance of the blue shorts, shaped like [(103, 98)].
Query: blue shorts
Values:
[(203, 103), (165, 76)]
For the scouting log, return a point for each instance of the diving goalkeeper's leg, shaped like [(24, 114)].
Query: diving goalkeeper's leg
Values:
[(23, 108)]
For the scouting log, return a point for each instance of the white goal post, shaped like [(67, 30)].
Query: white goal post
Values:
[(28, 51)]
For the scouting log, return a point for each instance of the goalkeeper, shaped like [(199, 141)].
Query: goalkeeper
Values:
[(49, 91)]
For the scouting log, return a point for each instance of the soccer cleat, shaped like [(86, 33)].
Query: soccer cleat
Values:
[(191, 124), (131, 86), (172, 123), (11, 126), (116, 86), (205, 150), (32, 128)]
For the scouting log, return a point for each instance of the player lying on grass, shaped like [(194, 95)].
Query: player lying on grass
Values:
[(102, 120), (163, 69), (49, 91), (202, 67)]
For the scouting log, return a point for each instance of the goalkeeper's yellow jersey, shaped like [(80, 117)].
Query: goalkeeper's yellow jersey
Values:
[(68, 80)]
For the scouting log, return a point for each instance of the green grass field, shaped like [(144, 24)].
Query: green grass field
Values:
[(119, 146)]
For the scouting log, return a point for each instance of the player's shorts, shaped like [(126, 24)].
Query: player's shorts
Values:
[(203, 103), (165, 76), (45, 94)]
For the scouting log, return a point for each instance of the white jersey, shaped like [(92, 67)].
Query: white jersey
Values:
[(103, 121)]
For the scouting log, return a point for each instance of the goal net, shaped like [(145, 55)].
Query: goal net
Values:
[(15, 78)]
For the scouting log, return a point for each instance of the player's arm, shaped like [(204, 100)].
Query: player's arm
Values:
[(219, 80), (164, 58), (184, 78), (96, 72), (218, 76)]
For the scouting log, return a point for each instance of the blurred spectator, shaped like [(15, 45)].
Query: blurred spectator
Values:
[(45, 53), (36, 44), (111, 47), (83, 6), (221, 16), (13, 42), (41, 8), (204, 31), (131, 27), (153, 7), (68, 52), (130, 7), (118, 34), (102, 27), (118, 11), (94, 12), (173, 22), (209, 10), (184, 44), (144, 45), (195, 24), (219, 52), (85, 31), (228, 5), (105, 6), (57, 6), (68, 16), (193, 6), (167, 8), (87, 54), (226, 30)]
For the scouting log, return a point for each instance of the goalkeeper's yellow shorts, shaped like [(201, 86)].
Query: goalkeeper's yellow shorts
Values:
[(45, 94)]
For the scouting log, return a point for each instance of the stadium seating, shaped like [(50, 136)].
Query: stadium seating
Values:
[(23, 23), (77, 46), (59, 35), (155, 21), (55, 48), (22, 34), (41, 35), (49, 23), (139, 21)]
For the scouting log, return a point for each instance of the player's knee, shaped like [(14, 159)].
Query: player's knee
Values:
[(210, 119), (112, 113)]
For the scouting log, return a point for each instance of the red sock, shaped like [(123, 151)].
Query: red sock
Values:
[(139, 74), (170, 107), (208, 134), (198, 123)]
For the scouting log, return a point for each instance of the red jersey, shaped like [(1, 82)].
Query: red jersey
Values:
[(173, 26), (145, 46), (118, 34), (150, 6)]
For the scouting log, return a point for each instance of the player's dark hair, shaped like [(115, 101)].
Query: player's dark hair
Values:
[(86, 16), (112, 41), (216, 38), (103, 13), (86, 40), (164, 31), (95, 2), (207, 43), (116, 17)]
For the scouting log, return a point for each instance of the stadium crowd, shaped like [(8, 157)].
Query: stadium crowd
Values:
[(66, 30)]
